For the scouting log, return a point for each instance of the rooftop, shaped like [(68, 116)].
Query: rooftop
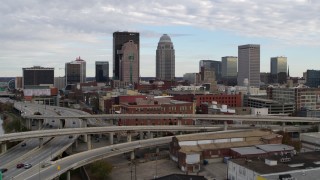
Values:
[(301, 161)]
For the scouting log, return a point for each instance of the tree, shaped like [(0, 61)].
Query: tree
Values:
[(100, 169)]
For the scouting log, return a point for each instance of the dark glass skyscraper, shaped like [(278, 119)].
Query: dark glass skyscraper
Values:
[(37, 75), (119, 38), (210, 65), (313, 78), (75, 71), (102, 71)]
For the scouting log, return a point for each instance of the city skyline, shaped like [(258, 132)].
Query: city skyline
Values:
[(50, 34)]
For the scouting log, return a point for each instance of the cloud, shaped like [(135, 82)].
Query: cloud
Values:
[(59, 30)]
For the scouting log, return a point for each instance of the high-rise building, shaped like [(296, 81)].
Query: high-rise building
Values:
[(75, 71), (129, 63), (278, 64), (278, 69), (37, 75), (212, 66), (249, 64), (313, 78), (102, 71), (229, 70), (165, 59), (229, 66), (119, 38)]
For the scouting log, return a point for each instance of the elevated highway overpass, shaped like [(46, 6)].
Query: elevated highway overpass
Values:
[(80, 159), (209, 117)]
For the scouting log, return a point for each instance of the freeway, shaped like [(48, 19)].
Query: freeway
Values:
[(99, 130), (77, 160), (31, 153), (210, 117)]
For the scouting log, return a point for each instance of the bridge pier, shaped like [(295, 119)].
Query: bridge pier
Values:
[(111, 138), (179, 122), (141, 135), (150, 135), (68, 175), (40, 142), (3, 147), (129, 137), (318, 127), (225, 127), (157, 150), (283, 126), (89, 141), (28, 123), (132, 155), (84, 124)]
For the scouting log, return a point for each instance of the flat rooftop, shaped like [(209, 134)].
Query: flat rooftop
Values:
[(307, 160)]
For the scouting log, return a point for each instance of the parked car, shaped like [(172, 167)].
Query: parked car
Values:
[(20, 165), (3, 170), (27, 166)]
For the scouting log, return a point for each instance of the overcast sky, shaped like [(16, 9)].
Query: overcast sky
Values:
[(51, 33)]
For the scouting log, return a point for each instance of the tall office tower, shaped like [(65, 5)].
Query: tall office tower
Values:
[(278, 69), (249, 64), (165, 59), (102, 71), (129, 63), (229, 70), (119, 38), (36, 76), (313, 78), (206, 66), (75, 71)]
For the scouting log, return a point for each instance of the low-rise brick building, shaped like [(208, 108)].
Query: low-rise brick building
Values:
[(155, 105), (190, 150)]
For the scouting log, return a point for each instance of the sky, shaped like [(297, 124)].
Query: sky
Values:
[(51, 33)]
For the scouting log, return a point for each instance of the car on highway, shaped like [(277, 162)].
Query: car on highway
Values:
[(3, 170), (20, 165), (73, 122), (70, 136), (27, 166), (23, 144)]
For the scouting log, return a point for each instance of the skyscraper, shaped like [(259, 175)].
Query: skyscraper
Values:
[(278, 64), (37, 75), (210, 66), (119, 38), (75, 71), (229, 70), (165, 59), (249, 64), (278, 69), (102, 71), (129, 63)]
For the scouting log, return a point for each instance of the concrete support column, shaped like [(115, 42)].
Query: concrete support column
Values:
[(283, 126), (28, 123), (111, 138), (75, 144), (60, 124), (68, 175), (129, 137), (132, 155), (157, 150), (89, 141), (225, 127), (3, 147), (40, 124), (179, 122), (40, 142), (141, 134), (149, 135), (318, 127), (85, 138), (84, 124)]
